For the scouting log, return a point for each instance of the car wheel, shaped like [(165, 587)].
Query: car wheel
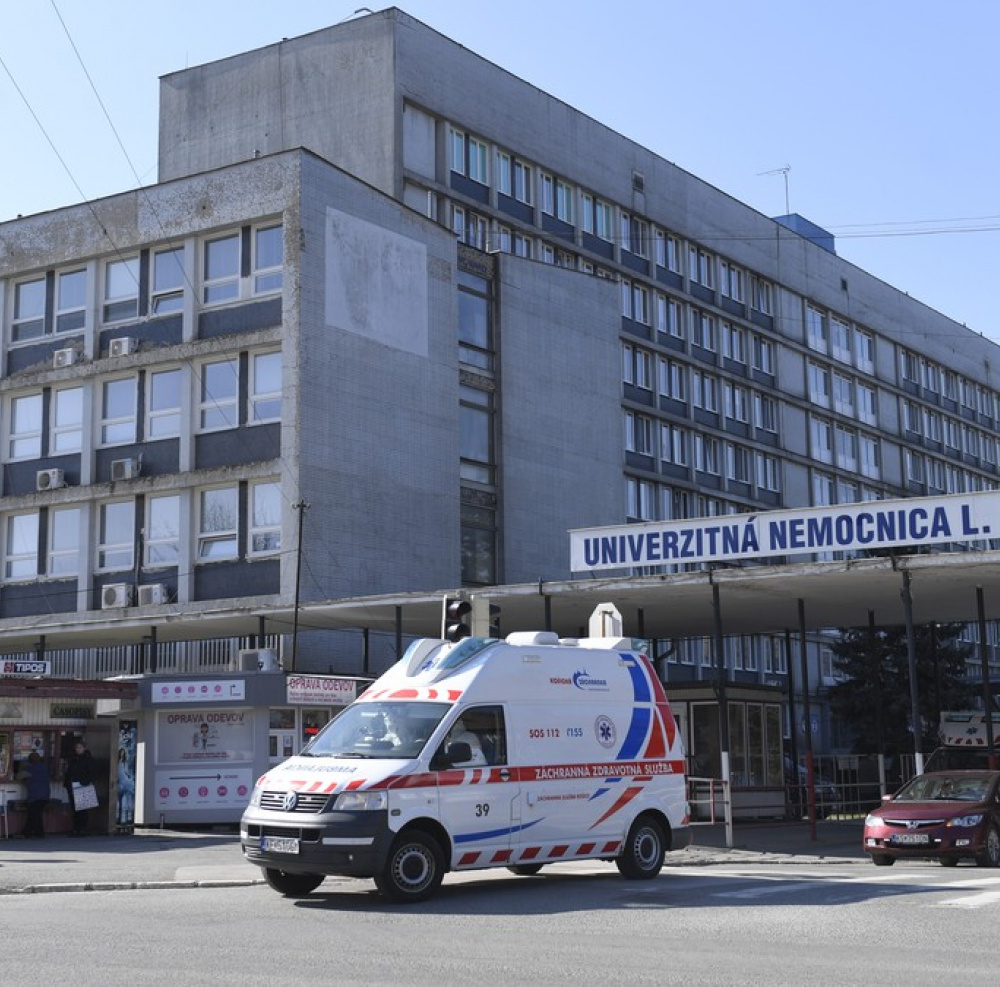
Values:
[(990, 857), (292, 885), (642, 854), (525, 870), (882, 860), (949, 861), (414, 869)]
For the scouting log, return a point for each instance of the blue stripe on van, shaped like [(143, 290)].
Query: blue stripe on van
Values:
[(637, 731)]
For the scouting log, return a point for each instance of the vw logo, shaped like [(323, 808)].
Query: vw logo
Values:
[(289, 801)]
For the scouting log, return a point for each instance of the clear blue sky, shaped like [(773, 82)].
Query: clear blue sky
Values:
[(884, 110)]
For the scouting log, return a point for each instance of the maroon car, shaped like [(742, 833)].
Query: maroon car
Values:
[(944, 814)]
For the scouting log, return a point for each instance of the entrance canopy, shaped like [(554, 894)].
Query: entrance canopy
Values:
[(753, 599)]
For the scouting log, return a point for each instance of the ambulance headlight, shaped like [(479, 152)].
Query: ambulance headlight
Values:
[(360, 802), (255, 796)]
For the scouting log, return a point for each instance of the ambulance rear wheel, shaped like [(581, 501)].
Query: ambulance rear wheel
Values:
[(292, 885), (414, 869), (642, 854), (525, 870)]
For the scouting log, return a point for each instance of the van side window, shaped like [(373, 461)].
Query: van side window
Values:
[(483, 729)]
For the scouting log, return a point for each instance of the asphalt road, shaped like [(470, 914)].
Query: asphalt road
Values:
[(795, 924)]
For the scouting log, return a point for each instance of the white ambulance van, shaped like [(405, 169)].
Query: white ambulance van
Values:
[(483, 753)]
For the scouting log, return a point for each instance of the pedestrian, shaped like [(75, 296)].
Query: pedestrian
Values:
[(34, 775), (79, 771)]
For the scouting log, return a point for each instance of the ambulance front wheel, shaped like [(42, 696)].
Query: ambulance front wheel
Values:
[(292, 885), (642, 854), (414, 869)]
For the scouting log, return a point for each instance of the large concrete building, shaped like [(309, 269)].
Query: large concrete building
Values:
[(384, 278)]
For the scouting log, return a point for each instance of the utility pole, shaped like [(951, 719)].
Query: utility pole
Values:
[(301, 507)]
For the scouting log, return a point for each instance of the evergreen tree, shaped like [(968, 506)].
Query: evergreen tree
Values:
[(873, 700)]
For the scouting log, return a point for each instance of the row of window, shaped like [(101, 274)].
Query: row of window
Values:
[(941, 477), (950, 432), (745, 653), (526, 183), (233, 266), (54, 421), (845, 394), (833, 336), (50, 543), (935, 379), (850, 449)]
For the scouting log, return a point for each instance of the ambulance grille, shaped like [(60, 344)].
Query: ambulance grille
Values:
[(304, 801)]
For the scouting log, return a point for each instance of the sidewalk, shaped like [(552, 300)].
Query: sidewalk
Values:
[(153, 858)]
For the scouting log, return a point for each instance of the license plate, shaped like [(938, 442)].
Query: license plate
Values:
[(910, 839), (279, 844)]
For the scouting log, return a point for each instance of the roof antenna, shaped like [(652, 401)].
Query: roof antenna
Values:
[(781, 171)]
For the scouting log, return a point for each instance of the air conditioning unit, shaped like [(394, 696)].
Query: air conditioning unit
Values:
[(152, 594), (116, 595), (64, 358), (258, 660), (49, 479), (124, 469), (123, 346)]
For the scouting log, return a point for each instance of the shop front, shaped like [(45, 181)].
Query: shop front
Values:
[(49, 718), (202, 741)]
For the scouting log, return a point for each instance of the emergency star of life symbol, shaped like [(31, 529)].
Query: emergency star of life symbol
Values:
[(605, 730)]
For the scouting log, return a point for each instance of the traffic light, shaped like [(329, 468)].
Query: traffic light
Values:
[(485, 618), (456, 619)]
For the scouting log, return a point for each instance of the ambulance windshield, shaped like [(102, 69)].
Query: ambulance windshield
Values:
[(379, 729)]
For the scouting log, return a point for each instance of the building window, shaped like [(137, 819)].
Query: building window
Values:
[(673, 444), (670, 379), (704, 391), (163, 530), (668, 253), (504, 183), (843, 394), (265, 387), (25, 438), (118, 411), (265, 518), (706, 338), (476, 434), (221, 271), (700, 267), (914, 464), (163, 404), (116, 536), (731, 281), (21, 548), (870, 459), (64, 541), (638, 434), (864, 351), (763, 355), (736, 402), (765, 412), (268, 259), (29, 310), (706, 454), (821, 434), (167, 290), (218, 524), (840, 340), (734, 343), (220, 389), (548, 202), (641, 500), (637, 367), (816, 329), (522, 182), (824, 490), (67, 420), (867, 404), (847, 448), (564, 201), (121, 289), (819, 385), (909, 366), (738, 460), (768, 475), (71, 300), (761, 296)]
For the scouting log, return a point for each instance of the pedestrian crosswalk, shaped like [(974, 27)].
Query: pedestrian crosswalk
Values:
[(832, 885)]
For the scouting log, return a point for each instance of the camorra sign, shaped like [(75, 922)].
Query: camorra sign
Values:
[(872, 525)]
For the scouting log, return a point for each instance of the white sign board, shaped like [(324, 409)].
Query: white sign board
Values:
[(323, 690), (24, 667), (876, 524)]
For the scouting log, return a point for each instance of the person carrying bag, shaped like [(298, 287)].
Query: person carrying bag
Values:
[(79, 781)]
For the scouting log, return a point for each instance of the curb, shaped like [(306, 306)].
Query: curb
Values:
[(128, 886)]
